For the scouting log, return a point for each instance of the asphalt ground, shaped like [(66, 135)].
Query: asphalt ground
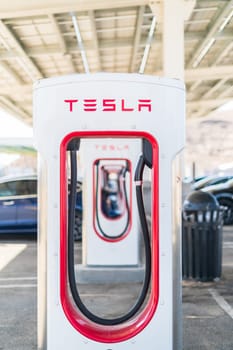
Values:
[(18, 293), (207, 307)]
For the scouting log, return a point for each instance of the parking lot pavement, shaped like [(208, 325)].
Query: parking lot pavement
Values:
[(18, 294), (207, 307)]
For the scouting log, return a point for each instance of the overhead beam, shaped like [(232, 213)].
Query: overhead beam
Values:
[(16, 89), (196, 111), (58, 34), (191, 75), (208, 103), (189, 36), (227, 91), (203, 112), (211, 33), (21, 50), (10, 72), (107, 43), (13, 108), (25, 8), (95, 37), (157, 9), (214, 88), (214, 62), (223, 52), (62, 42), (73, 48), (209, 73), (188, 8), (137, 37)]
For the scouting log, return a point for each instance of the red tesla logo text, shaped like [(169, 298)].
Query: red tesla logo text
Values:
[(112, 147), (108, 105)]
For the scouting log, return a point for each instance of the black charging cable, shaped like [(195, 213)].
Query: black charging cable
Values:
[(73, 147)]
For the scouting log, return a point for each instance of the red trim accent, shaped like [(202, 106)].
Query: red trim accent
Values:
[(91, 330), (94, 204)]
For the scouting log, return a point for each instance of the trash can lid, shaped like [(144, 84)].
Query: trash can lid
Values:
[(199, 200)]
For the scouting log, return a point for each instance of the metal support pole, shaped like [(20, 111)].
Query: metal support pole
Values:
[(173, 39)]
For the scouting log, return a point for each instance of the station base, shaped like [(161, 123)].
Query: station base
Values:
[(100, 274)]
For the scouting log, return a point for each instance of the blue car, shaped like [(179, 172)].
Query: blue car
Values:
[(18, 206)]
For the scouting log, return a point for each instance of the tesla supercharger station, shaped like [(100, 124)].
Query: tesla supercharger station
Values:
[(109, 166), (105, 130)]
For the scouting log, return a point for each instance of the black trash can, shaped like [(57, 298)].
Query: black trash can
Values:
[(202, 221)]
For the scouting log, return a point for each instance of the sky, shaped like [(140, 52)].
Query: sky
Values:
[(13, 127), (14, 132), (226, 107)]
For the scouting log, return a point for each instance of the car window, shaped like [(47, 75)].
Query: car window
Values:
[(220, 181), (32, 186), (18, 188), (7, 189), (25, 187)]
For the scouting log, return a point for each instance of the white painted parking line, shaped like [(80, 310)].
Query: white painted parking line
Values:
[(8, 252), (221, 302), (228, 245), (14, 286), (199, 317), (78, 248), (229, 264), (17, 279)]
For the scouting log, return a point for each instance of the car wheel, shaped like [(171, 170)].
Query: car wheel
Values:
[(228, 210), (78, 226)]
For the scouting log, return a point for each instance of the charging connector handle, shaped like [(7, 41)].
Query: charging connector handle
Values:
[(73, 145), (147, 152)]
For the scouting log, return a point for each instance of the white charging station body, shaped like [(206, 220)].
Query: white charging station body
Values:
[(122, 103)]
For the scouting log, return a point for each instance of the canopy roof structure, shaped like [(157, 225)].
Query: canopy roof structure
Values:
[(40, 39)]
